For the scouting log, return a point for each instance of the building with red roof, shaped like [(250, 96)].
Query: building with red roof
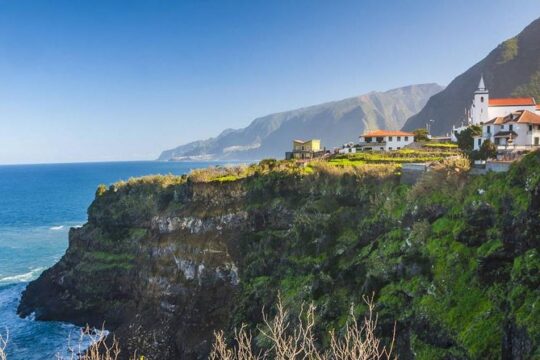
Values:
[(484, 108), (519, 130), (385, 140)]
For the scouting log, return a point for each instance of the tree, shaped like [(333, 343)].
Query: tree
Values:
[(421, 134), (465, 138), (488, 150)]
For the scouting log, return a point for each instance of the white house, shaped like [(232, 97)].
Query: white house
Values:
[(484, 109), (519, 130), (385, 140), (348, 148)]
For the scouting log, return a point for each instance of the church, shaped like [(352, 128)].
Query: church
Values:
[(509, 123)]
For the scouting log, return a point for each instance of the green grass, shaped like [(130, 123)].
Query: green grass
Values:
[(392, 157), (440, 145)]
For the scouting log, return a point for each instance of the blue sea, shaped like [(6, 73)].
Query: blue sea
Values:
[(38, 205)]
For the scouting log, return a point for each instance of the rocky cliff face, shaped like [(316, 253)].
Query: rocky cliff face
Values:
[(157, 266), (454, 260)]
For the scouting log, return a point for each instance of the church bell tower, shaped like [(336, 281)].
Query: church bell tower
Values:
[(479, 108)]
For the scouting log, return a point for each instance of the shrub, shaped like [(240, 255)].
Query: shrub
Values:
[(101, 189), (488, 150), (421, 134), (293, 339), (465, 138), (99, 349)]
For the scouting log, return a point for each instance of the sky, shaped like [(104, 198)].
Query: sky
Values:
[(123, 80)]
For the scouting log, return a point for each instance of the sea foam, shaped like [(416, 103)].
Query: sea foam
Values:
[(21, 277)]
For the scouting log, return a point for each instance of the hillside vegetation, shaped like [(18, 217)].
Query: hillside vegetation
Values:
[(453, 261)]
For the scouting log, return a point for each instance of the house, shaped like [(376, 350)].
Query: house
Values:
[(385, 140), (305, 150), (348, 148), (484, 109), (518, 130)]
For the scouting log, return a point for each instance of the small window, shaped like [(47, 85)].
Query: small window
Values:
[(406, 138), (382, 148), (389, 138), (502, 127), (399, 138), (390, 148), (481, 100), (530, 128), (489, 129), (398, 148), (479, 142), (536, 141), (511, 127)]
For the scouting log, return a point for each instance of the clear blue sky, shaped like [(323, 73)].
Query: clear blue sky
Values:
[(122, 80)]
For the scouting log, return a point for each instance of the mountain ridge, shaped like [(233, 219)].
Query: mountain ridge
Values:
[(333, 122)]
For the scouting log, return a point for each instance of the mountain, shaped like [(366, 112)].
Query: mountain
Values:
[(334, 123), (512, 69)]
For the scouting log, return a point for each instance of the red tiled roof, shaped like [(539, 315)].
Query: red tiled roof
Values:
[(521, 117), (380, 133), (527, 101)]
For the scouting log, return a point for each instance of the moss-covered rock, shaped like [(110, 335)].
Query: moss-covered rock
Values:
[(452, 261)]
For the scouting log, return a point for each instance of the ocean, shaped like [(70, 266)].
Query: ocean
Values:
[(38, 205)]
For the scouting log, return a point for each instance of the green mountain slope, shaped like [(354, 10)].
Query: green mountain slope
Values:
[(512, 69), (335, 123)]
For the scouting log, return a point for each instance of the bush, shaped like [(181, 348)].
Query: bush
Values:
[(465, 138), (421, 134), (290, 338)]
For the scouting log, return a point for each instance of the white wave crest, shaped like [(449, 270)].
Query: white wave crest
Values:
[(22, 277), (59, 227)]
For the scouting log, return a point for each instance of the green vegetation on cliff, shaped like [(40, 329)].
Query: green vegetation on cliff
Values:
[(454, 259)]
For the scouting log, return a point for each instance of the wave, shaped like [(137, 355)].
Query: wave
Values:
[(22, 277), (59, 227)]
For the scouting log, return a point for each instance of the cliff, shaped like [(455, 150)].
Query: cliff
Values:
[(335, 123), (510, 70), (164, 261)]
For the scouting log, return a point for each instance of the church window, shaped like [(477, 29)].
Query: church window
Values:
[(481, 99), (530, 128), (511, 127)]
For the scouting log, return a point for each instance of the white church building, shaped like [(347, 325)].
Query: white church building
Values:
[(509, 123)]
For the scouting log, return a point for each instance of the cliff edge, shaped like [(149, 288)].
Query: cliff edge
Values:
[(164, 261)]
